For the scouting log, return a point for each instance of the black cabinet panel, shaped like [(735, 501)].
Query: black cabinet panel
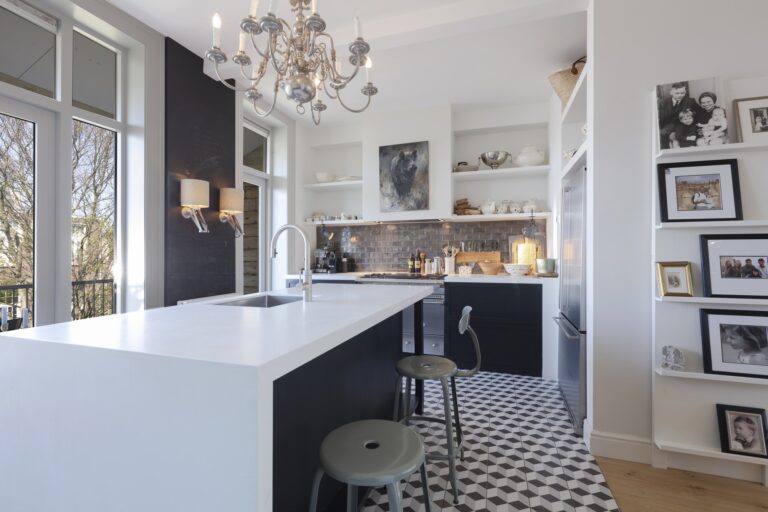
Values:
[(507, 319)]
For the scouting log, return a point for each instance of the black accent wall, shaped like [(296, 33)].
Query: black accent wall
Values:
[(200, 144)]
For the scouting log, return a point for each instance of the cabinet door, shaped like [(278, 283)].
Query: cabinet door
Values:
[(507, 320)]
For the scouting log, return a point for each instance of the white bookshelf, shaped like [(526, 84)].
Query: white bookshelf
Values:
[(575, 111), (577, 160)]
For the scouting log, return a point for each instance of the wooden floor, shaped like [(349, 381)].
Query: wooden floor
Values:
[(642, 488)]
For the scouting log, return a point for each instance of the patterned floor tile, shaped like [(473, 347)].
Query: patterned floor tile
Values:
[(520, 453)]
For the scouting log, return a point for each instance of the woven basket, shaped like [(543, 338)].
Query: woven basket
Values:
[(564, 80)]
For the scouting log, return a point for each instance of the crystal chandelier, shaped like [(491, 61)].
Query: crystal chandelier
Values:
[(303, 56)]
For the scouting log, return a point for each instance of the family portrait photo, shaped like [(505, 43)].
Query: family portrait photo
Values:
[(698, 192), (689, 115), (744, 344), (759, 117), (744, 267), (751, 118), (742, 430), (735, 342), (674, 278)]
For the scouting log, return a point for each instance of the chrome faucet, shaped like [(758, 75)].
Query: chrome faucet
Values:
[(306, 276)]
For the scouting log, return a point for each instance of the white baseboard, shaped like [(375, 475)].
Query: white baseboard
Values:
[(619, 446)]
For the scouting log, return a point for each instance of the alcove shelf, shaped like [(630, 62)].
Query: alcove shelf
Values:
[(335, 185), (680, 374), (499, 174), (579, 159), (575, 110)]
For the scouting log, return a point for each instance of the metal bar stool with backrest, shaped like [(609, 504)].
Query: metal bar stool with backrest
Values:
[(441, 369)]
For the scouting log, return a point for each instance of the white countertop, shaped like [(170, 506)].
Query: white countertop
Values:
[(502, 279), (279, 339), (338, 276)]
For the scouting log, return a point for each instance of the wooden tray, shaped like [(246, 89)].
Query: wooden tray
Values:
[(471, 257)]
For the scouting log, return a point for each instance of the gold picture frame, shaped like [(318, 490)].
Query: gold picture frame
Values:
[(674, 284)]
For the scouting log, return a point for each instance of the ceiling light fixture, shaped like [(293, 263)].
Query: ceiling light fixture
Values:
[(303, 56)]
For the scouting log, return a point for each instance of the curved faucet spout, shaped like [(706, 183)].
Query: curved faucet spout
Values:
[(306, 281)]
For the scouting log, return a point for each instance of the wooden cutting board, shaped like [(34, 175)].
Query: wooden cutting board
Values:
[(471, 257)]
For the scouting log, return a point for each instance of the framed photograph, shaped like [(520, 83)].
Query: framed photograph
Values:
[(689, 115), (674, 278), (752, 118), (735, 342), (742, 430), (404, 177), (699, 191), (735, 265)]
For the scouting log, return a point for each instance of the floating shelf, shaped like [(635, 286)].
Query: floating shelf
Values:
[(497, 216), (575, 111), (704, 451), (335, 185), (716, 301), (350, 222), (579, 159), (501, 174), (712, 150), (717, 224), (711, 376)]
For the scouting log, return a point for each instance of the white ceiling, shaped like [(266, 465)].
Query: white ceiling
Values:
[(425, 52)]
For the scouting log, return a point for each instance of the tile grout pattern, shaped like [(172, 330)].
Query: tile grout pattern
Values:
[(520, 453)]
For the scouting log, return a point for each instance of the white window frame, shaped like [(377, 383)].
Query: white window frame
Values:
[(252, 176), (57, 282)]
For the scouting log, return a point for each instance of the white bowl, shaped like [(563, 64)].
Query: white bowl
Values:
[(516, 269), (324, 177)]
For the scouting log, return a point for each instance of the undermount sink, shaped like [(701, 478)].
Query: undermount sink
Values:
[(262, 301)]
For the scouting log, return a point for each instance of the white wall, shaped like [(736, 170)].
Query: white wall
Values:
[(634, 46), (431, 124)]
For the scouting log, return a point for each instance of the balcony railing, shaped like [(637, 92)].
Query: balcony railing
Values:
[(95, 297)]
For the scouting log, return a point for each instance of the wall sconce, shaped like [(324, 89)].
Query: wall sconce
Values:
[(230, 204), (194, 197)]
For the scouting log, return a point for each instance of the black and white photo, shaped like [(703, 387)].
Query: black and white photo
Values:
[(735, 266), (404, 177), (689, 114), (752, 119), (699, 191), (735, 342), (742, 430), (674, 278)]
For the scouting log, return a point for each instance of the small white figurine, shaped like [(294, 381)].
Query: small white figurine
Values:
[(673, 358)]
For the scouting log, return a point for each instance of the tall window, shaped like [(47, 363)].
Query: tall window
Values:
[(17, 211), (28, 52), (93, 219), (255, 174)]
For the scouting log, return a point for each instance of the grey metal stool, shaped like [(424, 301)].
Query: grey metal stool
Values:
[(371, 453), (444, 370)]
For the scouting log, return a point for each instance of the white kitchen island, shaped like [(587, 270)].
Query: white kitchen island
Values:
[(173, 409)]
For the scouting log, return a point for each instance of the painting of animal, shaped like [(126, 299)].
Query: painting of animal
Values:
[(404, 177)]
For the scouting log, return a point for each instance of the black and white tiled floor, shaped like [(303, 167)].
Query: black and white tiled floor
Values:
[(520, 453)]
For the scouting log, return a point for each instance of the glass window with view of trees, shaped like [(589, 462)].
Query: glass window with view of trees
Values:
[(17, 213), (94, 181)]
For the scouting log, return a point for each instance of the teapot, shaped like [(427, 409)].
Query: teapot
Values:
[(529, 156)]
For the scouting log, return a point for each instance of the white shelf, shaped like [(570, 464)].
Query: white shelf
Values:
[(704, 451), (577, 160), (711, 376), (350, 222), (724, 149), (335, 185), (497, 216), (500, 174), (575, 111), (723, 301), (717, 224)]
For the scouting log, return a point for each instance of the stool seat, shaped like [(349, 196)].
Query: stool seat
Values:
[(371, 453), (426, 367)]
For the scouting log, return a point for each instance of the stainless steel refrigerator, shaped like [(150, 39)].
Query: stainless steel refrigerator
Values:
[(572, 344)]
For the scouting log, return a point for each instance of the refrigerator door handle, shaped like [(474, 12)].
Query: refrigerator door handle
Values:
[(569, 331)]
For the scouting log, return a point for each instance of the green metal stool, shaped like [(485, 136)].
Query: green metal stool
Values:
[(371, 453), (444, 370)]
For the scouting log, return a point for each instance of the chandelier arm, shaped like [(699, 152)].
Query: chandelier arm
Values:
[(256, 46), (253, 78), (354, 110), (316, 121), (231, 87), (271, 108)]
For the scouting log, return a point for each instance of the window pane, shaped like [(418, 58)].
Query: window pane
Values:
[(27, 54), (251, 238), (17, 212), (254, 150), (94, 76), (93, 220)]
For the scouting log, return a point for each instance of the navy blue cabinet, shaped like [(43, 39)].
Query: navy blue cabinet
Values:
[(507, 319)]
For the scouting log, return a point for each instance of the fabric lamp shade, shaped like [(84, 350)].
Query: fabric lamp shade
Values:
[(231, 200), (194, 193)]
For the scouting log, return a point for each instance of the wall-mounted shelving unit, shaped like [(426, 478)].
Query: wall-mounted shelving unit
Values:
[(684, 419), (335, 186), (498, 217), (501, 174), (579, 159)]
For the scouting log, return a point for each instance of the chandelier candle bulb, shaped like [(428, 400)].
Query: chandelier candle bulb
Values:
[(254, 8), (357, 27), (271, 8), (216, 29), (314, 6), (243, 39)]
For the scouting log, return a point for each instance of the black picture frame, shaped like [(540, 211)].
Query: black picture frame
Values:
[(664, 206), (722, 423), (706, 339), (706, 269)]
